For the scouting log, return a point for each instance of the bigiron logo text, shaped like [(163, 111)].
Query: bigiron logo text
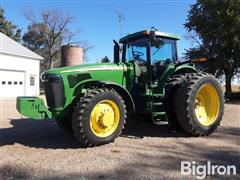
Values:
[(201, 171)]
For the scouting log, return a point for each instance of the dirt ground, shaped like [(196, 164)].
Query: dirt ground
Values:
[(40, 150)]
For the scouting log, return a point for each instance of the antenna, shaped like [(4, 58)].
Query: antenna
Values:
[(121, 19)]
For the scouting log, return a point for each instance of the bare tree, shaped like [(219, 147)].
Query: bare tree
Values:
[(52, 27)]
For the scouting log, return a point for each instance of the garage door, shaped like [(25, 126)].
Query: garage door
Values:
[(11, 83)]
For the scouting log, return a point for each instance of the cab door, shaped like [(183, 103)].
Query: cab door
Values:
[(161, 57), (136, 52)]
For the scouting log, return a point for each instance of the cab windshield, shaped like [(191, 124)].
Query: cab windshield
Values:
[(137, 50), (166, 52)]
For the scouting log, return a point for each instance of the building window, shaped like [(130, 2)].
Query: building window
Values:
[(32, 81), (15, 83), (20, 82), (9, 82), (3, 82)]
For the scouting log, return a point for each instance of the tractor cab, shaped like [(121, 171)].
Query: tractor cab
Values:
[(153, 55), (150, 52)]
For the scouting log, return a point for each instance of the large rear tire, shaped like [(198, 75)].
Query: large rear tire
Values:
[(199, 104), (171, 88), (99, 117)]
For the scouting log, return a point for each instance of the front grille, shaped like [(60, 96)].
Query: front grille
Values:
[(53, 86)]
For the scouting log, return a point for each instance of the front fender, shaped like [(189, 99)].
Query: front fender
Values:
[(123, 92)]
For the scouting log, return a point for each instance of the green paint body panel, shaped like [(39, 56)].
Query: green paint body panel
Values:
[(109, 72), (119, 73)]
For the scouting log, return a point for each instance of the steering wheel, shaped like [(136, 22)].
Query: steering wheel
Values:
[(137, 54)]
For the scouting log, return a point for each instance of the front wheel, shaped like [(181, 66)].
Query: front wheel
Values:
[(99, 118), (199, 104)]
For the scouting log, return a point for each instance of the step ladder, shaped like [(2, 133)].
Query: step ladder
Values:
[(157, 109)]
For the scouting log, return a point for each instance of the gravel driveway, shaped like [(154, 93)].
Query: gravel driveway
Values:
[(40, 150)]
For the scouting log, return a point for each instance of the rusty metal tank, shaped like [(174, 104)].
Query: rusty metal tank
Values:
[(71, 55)]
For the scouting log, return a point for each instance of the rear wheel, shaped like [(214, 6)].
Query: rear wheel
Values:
[(171, 88), (99, 118), (199, 104)]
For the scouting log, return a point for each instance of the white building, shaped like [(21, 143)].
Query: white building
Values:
[(19, 69)]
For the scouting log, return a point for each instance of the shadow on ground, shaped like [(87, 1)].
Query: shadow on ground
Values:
[(39, 134), (46, 134), (135, 128)]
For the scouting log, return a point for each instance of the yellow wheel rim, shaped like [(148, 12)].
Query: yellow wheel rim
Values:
[(207, 104), (105, 118)]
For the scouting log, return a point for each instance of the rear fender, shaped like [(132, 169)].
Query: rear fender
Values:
[(173, 70), (184, 69)]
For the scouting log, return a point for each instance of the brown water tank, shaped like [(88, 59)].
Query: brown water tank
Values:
[(71, 55)]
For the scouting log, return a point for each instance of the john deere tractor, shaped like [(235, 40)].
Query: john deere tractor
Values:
[(92, 101)]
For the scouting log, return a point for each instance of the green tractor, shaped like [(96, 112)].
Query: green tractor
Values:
[(93, 101)]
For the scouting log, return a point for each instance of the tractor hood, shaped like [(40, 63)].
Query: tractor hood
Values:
[(75, 75), (112, 72), (85, 68), (63, 84)]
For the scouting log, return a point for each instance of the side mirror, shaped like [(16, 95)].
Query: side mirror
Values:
[(154, 40), (158, 43), (116, 50)]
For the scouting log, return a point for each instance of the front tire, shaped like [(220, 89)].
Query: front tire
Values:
[(199, 104), (99, 117)]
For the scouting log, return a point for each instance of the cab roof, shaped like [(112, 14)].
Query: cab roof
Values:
[(146, 33)]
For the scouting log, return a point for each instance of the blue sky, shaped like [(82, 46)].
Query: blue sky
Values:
[(98, 20)]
